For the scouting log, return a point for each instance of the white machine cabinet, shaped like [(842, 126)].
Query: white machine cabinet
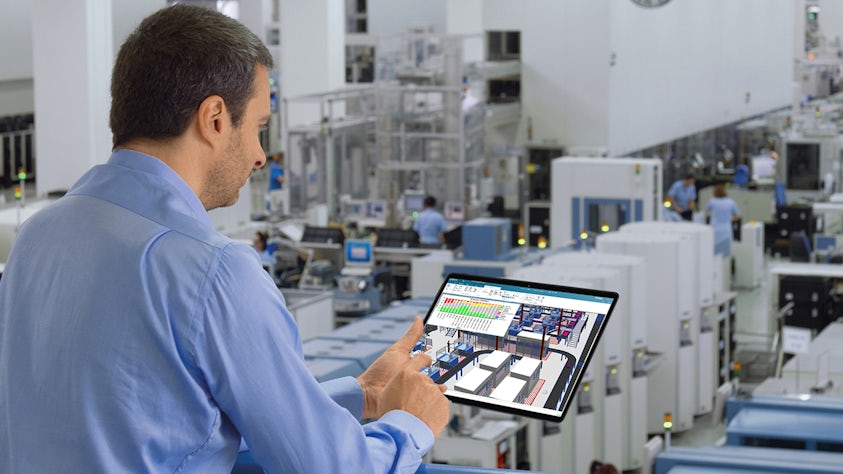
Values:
[(700, 277), (600, 194), (604, 373), (572, 446), (671, 330), (749, 255), (630, 316)]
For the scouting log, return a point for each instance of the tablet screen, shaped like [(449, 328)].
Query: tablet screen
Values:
[(514, 346)]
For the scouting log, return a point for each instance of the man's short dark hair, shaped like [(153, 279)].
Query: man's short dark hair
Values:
[(689, 176), (429, 201), (176, 58)]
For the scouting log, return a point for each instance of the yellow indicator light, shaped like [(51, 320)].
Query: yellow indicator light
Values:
[(668, 421), (584, 234), (614, 371), (542, 244), (604, 227), (667, 204), (17, 193), (586, 387), (521, 241)]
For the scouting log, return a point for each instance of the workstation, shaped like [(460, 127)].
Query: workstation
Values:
[(484, 138)]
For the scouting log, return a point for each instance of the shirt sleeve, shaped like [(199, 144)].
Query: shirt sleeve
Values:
[(249, 351), (692, 192), (672, 191)]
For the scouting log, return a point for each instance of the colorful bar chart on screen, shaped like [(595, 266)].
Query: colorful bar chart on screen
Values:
[(473, 314)]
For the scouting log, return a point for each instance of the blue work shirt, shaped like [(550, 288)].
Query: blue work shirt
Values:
[(429, 225), (276, 170), (135, 338), (721, 210), (682, 195)]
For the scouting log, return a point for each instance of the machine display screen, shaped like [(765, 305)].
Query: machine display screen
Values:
[(513, 346), (358, 252), (803, 166), (375, 209), (413, 202), (454, 211)]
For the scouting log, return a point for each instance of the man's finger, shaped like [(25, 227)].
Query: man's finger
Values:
[(419, 362), (411, 337)]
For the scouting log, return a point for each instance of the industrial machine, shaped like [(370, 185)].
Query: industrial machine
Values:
[(810, 165), (699, 277), (626, 377), (362, 287), (672, 331), (597, 195), (570, 446), (740, 459), (488, 251), (323, 246)]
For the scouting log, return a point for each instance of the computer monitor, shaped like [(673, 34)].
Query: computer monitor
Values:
[(763, 168), (454, 211), (375, 209), (359, 253), (413, 202)]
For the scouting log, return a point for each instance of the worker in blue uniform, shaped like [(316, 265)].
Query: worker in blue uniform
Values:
[(722, 211), (682, 196), (430, 225), (148, 341)]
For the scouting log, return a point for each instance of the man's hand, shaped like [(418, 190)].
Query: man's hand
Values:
[(390, 363), (416, 393)]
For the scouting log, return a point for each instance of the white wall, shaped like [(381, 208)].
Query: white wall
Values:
[(16, 40), (678, 69), (689, 66), (831, 18), (16, 86), (396, 16), (312, 46)]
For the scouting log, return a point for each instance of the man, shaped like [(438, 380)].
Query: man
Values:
[(135, 338), (430, 225), (682, 196)]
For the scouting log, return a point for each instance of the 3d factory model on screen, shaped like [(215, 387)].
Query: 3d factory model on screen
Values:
[(516, 346)]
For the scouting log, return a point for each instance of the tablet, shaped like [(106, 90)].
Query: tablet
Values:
[(514, 346)]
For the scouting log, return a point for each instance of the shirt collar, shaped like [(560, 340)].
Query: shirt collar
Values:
[(143, 184)]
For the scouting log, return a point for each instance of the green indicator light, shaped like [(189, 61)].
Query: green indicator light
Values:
[(586, 388)]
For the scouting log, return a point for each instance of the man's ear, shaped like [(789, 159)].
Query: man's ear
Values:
[(212, 119)]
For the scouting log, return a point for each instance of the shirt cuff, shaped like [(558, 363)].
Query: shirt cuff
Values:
[(418, 431), (346, 391)]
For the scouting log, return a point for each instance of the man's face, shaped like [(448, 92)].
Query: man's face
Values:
[(244, 152), (689, 182)]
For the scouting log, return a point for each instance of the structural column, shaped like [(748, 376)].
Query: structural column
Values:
[(72, 59)]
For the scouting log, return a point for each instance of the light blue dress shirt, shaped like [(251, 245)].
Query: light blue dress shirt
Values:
[(135, 338), (681, 195), (721, 210), (429, 225)]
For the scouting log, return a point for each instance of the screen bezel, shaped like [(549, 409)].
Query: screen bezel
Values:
[(588, 352), (351, 244)]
